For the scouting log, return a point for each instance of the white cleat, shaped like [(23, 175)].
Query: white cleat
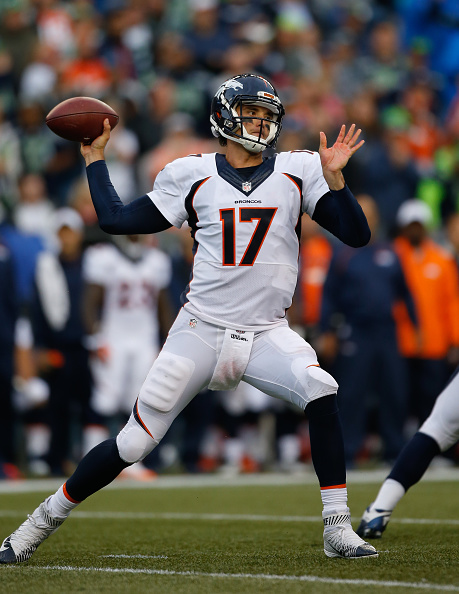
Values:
[(373, 522), (340, 540), (23, 542)]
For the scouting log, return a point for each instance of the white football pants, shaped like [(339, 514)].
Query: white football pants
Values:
[(443, 422), (281, 364)]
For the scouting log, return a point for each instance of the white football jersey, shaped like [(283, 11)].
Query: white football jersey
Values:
[(246, 232), (131, 291)]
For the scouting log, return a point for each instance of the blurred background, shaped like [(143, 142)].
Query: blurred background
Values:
[(82, 314)]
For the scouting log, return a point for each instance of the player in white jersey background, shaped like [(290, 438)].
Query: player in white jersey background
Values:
[(244, 212), (125, 306)]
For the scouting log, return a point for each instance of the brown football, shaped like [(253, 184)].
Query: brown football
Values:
[(80, 119)]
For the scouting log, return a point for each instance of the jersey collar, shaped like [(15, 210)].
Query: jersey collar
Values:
[(245, 186)]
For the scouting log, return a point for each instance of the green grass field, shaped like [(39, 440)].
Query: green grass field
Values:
[(241, 538)]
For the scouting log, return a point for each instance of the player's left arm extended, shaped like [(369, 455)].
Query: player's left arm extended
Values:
[(139, 216), (341, 214)]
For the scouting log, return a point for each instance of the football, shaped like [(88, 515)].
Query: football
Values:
[(80, 119)]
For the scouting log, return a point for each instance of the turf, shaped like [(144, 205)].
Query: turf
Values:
[(219, 539)]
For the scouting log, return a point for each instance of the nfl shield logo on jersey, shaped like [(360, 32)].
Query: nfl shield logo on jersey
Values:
[(193, 323), (246, 186)]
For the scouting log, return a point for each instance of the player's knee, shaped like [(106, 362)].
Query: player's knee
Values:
[(166, 381), (315, 381), (443, 429), (134, 443)]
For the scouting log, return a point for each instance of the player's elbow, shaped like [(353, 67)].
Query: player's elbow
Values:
[(359, 239), (110, 227), (364, 239)]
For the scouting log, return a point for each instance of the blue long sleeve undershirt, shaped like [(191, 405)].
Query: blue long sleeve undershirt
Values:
[(337, 211), (139, 216)]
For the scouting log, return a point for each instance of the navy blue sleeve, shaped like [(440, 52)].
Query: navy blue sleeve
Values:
[(139, 216), (339, 213)]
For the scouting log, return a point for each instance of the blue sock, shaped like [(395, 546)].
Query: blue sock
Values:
[(327, 445), (414, 460), (96, 470)]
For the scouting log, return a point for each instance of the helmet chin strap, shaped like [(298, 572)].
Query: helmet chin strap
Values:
[(252, 147), (251, 142)]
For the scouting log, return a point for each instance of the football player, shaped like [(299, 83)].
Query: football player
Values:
[(125, 304), (438, 433), (244, 213)]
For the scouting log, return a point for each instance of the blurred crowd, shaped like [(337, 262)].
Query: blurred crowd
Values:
[(82, 314)]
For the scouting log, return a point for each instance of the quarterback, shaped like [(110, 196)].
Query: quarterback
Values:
[(244, 212)]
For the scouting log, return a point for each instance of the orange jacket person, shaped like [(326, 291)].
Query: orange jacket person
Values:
[(432, 277)]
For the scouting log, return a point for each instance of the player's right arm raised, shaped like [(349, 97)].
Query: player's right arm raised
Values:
[(139, 216)]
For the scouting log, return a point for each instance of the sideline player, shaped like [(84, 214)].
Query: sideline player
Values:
[(124, 308), (244, 213), (439, 432)]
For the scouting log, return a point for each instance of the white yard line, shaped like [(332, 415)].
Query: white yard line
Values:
[(134, 556), (252, 576), (82, 515)]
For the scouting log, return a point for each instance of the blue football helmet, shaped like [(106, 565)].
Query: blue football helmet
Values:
[(226, 109)]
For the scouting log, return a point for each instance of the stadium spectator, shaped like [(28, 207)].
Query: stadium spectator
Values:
[(55, 27), (387, 172), (18, 36), (440, 188), (432, 278), (148, 114), (207, 38), (24, 250), (113, 48), (39, 79), (385, 68), (45, 153), (58, 335), (87, 74), (8, 316), (315, 106), (138, 36), (7, 88), (10, 158), (436, 23), (34, 211), (358, 329), (419, 124)]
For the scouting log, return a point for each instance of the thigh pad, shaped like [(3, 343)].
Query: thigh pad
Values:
[(166, 381)]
